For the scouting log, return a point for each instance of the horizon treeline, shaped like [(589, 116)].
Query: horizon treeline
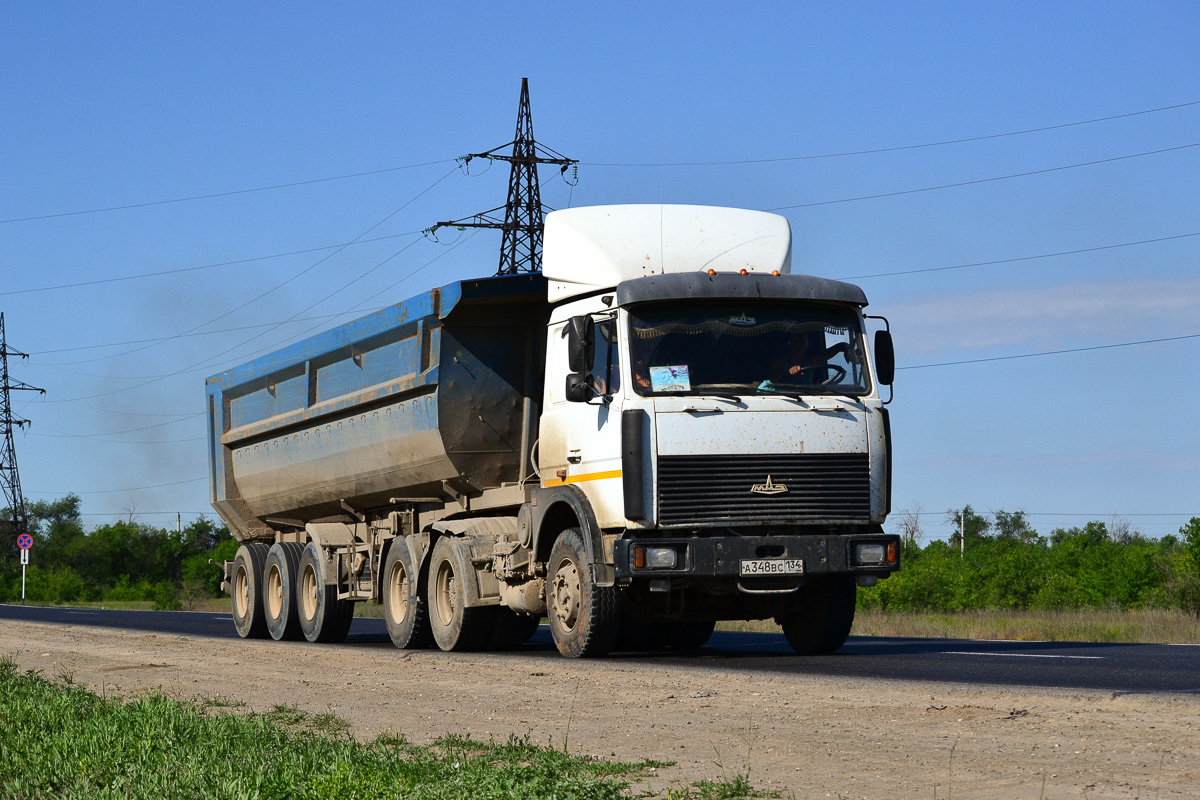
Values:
[(118, 561), (1006, 564)]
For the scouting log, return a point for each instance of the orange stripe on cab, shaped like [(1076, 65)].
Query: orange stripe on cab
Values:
[(591, 476)]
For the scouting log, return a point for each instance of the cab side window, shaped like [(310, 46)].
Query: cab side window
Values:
[(606, 371)]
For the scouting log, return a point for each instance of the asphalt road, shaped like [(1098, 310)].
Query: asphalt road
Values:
[(1119, 668)]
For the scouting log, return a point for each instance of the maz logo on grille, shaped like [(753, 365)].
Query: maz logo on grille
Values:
[(768, 487)]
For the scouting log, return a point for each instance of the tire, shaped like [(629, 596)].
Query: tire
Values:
[(323, 617), (822, 624), (690, 636), (404, 608), (280, 577), (583, 617), (640, 637), (454, 626), (511, 629), (245, 592)]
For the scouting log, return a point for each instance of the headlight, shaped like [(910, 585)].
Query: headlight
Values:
[(661, 558), (869, 554), (655, 558)]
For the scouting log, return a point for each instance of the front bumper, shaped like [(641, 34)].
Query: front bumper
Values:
[(721, 556)]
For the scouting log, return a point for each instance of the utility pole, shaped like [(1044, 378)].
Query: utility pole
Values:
[(962, 533), (521, 247), (10, 480)]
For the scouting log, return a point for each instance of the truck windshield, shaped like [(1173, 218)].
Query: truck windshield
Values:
[(738, 347)]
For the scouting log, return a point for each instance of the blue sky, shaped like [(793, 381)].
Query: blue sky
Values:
[(117, 105)]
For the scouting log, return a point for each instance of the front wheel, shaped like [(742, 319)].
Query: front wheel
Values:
[(821, 623), (583, 617), (690, 636)]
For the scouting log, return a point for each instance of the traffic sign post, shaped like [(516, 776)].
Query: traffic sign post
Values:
[(25, 542)]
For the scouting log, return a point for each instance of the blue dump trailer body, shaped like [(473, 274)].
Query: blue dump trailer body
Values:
[(439, 392)]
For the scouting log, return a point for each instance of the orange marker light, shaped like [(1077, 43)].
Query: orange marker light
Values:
[(639, 557), (891, 552), (775, 272), (744, 272), (712, 272)]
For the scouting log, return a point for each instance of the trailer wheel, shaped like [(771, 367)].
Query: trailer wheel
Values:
[(245, 594), (454, 625), (822, 623), (403, 606), (690, 636), (279, 590), (512, 629), (323, 617), (583, 617)]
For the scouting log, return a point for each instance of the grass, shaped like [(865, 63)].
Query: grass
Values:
[(1149, 625), (62, 741)]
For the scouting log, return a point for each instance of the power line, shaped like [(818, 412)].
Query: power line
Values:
[(977, 181), (1077, 514), (157, 339), (892, 149), (66, 435), (1053, 352), (256, 299), (229, 193), (239, 261), (133, 489), (844, 154), (1017, 259)]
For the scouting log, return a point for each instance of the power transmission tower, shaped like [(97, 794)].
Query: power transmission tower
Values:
[(521, 247), (10, 482)]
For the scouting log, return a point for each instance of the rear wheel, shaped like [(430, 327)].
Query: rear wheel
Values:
[(821, 623), (323, 617), (689, 636), (404, 608), (279, 590), (454, 625), (246, 591), (511, 629), (583, 617)]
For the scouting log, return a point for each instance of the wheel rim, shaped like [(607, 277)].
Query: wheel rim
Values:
[(398, 593), (241, 593), (274, 592), (308, 593), (444, 594), (567, 593)]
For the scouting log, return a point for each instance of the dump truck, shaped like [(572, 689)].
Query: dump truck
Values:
[(663, 429)]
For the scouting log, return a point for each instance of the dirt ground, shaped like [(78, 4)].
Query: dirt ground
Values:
[(802, 736)]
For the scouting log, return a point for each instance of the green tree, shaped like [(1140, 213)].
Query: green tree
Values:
[(966, 522), (1013, 527), (1190, 565)]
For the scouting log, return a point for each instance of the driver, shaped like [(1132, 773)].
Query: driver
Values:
[(804, 355)]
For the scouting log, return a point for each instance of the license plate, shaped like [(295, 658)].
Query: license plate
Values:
[(771, 566)]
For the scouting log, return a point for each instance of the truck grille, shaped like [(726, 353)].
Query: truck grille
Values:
[(701, 490)]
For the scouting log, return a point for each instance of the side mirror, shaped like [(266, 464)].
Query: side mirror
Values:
[(579, 387), (885, 358), (581, 343)]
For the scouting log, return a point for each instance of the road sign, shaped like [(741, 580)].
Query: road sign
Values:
[(24, 561), (24, 541)]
